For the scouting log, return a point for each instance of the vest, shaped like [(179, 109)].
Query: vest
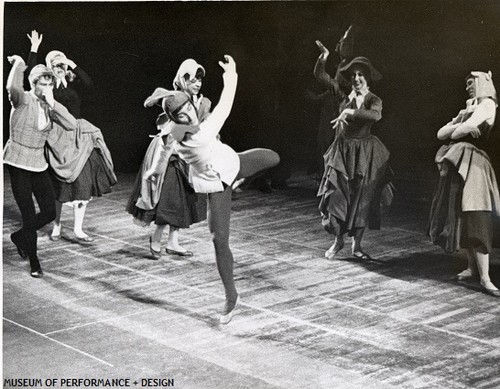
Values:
[(25, 147)]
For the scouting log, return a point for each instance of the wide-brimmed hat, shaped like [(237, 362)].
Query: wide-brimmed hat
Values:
[(190, 67), (39, 71), (373, 73), (51, 56)]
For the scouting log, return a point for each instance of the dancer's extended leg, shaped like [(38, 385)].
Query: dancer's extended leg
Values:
[(254, 161)]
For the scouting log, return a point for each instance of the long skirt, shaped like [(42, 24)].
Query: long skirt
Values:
[(355, 184), (466, 199), (452, 229), (178, 206), (95, 180)]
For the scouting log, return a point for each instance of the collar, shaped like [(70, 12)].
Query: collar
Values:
[(197, 100), (361, 93), (62, 81)]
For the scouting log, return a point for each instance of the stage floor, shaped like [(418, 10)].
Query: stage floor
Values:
[(107, 310)]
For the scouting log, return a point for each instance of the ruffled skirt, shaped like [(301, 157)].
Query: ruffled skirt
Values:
[(355, 185), (95, 180)]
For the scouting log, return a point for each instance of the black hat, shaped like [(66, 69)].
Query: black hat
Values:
[(374, 74)]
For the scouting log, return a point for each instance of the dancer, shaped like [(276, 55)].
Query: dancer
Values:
[(80, 162), (356, 162), (213, 167), (176, 204), (467, 197), (31, 121)]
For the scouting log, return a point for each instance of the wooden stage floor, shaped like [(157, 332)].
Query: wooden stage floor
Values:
[(107, 310)]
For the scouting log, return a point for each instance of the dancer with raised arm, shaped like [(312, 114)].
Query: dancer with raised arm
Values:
[(213, 167), (80, 163), (467, 197), (356, 162), (328, 99), (31, 122)]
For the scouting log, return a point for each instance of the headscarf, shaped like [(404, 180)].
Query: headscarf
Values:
[(52, 57), (37, 72), (484, 85), (190, 67)]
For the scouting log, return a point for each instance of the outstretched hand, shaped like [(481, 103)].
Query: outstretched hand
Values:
[(35, 39), (229, 65), (324, 51), (342, 118)]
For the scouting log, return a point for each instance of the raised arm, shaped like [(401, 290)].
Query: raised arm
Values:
[(345, 47), (319, 69), (213, 124), (14, 84), (36, 40)]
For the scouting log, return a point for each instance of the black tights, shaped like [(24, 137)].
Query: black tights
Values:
[(219, 214), (255, 161), (25, 184)]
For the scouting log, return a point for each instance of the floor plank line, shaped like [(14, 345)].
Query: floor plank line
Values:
[(348, 335), (141, 312), (58, 342)]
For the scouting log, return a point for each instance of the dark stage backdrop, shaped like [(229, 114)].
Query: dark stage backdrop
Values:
[(423, 49)]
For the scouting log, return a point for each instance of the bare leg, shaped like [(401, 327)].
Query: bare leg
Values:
[(56, 230), (357, 251)]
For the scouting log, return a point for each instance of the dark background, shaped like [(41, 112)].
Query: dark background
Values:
[(423, 49)]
